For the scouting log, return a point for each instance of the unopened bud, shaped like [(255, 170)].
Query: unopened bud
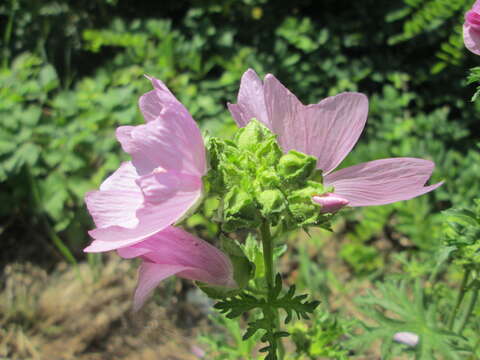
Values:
[(272, 203), (406, 338), (296, 166), (330, 202), (240, 210), (251, 135)]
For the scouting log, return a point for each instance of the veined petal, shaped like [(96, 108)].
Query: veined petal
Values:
[(171, 139), (159, 186), (149, 276), (171, 110), (161, 103), (174, 251), (178, 247), (250, 101), (327, 130), (163, 206), (333, 127), (165, 144), (383, 181), (123, 179), (283, 110), (117, 200)]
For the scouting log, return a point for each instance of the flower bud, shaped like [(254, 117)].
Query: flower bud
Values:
[(330, 202), (406, 338), (272, 203), (250, 136), (240, 210), (296, 167), (304, 210)]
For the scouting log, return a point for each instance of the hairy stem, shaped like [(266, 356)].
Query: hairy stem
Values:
[(460, 296), (267, 243)]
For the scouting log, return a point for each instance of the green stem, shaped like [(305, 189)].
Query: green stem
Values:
[(57, 241), (267, 243), (470, 307), (460, 296)]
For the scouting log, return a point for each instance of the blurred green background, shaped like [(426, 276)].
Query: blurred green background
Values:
[(72, 71)]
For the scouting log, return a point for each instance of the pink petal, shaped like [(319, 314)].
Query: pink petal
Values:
[(161, 103), (158, 187), (154, 215), (117, 200), (174, 246), (334, 126), (327, 130), (476, 6), (149, 276), (122, 179), (383, 181), (250, 101), (174, 251), (471, 38), (166, 144), (171, 139), (472, 17), (284, 110)]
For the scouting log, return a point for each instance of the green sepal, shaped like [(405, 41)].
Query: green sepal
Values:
[(303, 209), (272, 204), (296, 167), (217, 292), (253, 134), (240, 210), (253, 250), (269, 152), (243, 269)]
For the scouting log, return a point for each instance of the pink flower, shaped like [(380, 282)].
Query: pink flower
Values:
[(471, 29), (161, 183), (173, 251), (329, 130)]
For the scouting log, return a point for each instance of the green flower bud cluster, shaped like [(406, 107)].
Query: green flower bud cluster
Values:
[(255, 180)]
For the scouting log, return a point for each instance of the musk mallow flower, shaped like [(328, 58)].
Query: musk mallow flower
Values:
[(161, 183), (471, 28), (174, 251), (328, 131)]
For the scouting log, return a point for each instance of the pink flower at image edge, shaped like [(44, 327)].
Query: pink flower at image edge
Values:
[(471, 29), (161, 183), (329, 130)]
